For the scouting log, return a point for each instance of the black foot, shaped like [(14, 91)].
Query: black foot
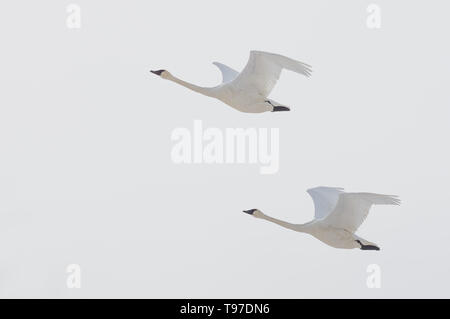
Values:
[(280, 108), (367, 247)]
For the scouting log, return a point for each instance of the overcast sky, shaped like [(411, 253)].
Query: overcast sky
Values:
[(86, 175)]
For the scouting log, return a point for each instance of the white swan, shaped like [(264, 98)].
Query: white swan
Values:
[(248, 91), (337, 216)]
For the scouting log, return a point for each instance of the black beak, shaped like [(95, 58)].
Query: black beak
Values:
[(157, 72), (250, 211)]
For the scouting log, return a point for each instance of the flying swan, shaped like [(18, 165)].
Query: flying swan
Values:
[(337, 216), (248, 91)]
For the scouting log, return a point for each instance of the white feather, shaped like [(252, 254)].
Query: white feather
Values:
[(228, 74), (263, 70), (325, 199), (352, 209)]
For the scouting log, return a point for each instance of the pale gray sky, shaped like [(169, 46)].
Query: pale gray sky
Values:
[(86, 175)]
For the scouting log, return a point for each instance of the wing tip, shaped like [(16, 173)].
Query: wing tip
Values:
[(393, 199), (307, 69), (388, 200), (397, 201)]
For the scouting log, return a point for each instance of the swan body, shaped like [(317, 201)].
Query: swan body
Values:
[(337, 216), (248, 90)]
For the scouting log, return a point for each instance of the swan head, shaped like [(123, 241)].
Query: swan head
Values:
[(162, 73), (254, 212)]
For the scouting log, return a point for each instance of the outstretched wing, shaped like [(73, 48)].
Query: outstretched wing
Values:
[(263, 70), (228, 74), (325, 199), (352, 209)]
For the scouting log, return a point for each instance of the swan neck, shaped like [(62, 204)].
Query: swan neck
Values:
[(193, 87), (282, 223)]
